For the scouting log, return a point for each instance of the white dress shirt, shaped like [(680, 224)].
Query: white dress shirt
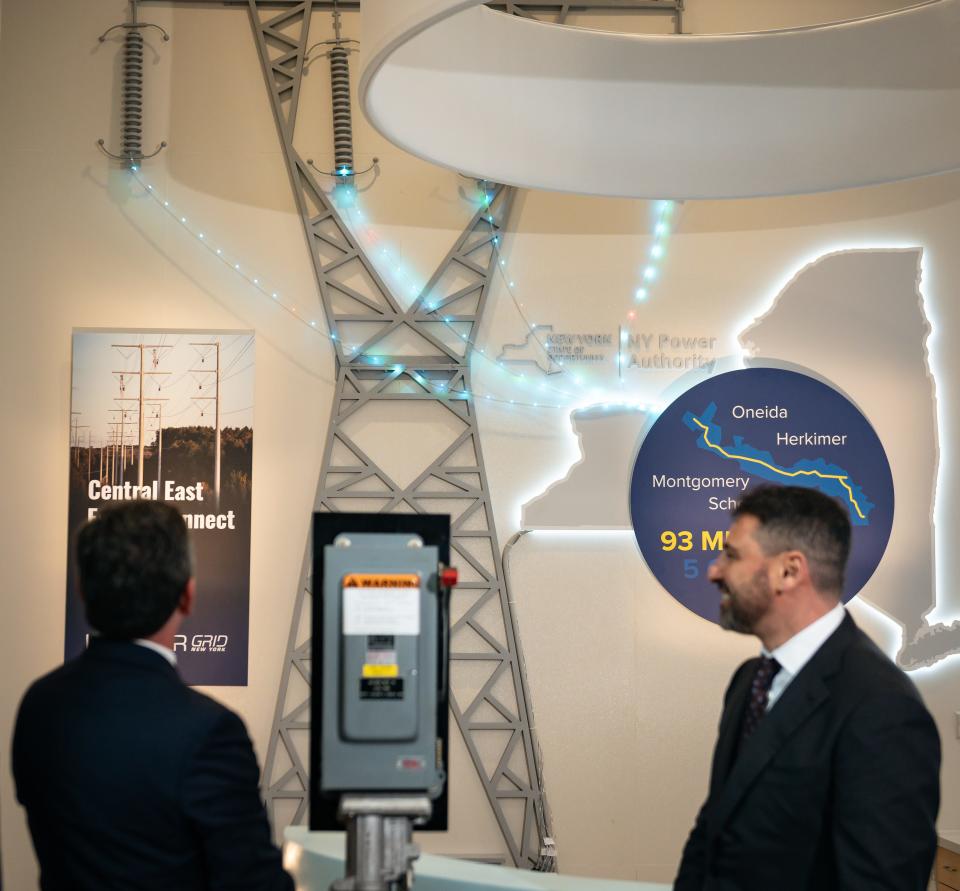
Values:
[(800, 649), (158, 648)]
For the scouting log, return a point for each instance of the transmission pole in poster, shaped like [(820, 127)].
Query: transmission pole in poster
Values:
[(141, 374), (216, 411)]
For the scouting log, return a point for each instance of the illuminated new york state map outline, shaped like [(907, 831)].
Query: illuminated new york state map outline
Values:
[(879, 360)]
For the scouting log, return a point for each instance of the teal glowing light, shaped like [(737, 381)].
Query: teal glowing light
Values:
[(345, 196)]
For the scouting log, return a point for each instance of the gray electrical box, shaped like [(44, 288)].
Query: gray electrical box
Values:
[(382, 623)]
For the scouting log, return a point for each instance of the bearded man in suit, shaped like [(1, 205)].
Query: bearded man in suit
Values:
[(825, 774), (131, 780)]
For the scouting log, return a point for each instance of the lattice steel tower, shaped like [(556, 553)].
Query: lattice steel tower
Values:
[(419, 356)]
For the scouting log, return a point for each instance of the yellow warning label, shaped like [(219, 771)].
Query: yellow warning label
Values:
[(381, 580), (381, 671)]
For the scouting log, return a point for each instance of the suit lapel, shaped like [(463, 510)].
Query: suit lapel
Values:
[(805, 695)]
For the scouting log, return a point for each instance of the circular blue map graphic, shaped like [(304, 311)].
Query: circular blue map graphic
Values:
[(739, 430)]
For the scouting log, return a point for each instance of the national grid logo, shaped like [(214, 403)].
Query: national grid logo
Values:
[(201, 643)]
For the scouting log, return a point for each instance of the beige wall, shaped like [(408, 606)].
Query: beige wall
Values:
[(626, 684)]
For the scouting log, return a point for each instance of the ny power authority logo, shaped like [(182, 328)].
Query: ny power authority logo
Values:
[(739, 430)]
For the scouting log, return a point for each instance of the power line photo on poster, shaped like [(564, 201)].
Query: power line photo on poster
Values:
[(168, 415)]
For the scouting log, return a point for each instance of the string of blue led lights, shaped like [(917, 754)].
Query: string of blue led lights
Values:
[(650, 272), (407, 284), (258, 284)]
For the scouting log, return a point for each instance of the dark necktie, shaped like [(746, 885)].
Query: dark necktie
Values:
[(759, 694)]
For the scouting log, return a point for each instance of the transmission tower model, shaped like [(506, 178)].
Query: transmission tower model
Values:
[(489, 699)]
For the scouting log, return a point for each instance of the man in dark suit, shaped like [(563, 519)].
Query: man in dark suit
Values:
[(826, 772), (131, 780)]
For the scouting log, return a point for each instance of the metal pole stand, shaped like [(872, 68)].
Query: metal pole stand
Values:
[(380, 848)]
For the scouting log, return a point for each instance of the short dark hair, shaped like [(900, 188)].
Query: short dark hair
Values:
[(134, 561), (796, 518)]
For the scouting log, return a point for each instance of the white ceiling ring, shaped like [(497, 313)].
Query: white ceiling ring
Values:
[(665, 116)]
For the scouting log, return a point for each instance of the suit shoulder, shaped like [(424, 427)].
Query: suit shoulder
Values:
[(205, 705), (50, 684), (868, 672), (207, 711)]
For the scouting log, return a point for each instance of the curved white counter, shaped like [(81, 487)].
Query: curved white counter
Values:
[(316, 859)]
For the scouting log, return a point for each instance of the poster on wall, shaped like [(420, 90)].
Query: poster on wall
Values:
[(168, 415)]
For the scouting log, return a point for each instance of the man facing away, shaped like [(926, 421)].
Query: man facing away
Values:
[(825, 775), (131, 780)]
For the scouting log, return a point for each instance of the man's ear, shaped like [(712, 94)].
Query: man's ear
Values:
[(793, 569), (188, 597)]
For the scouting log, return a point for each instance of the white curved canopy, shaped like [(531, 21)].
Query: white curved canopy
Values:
[(678, 116)]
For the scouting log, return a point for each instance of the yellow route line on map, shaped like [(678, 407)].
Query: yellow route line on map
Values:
[(827, 476)]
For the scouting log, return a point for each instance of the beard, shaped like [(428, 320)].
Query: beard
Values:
[(744, 607)]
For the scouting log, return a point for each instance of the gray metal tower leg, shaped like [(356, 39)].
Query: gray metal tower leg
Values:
[(419, 356)]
